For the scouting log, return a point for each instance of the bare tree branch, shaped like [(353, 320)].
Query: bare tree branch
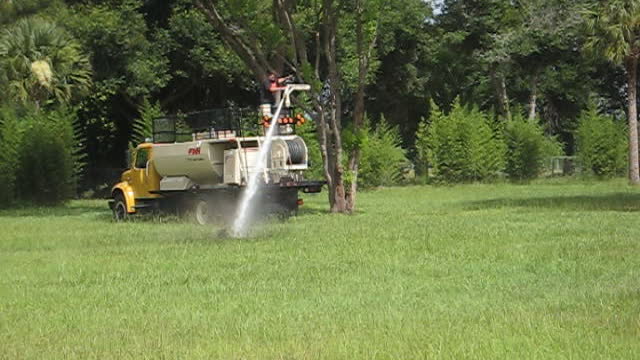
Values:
[(251, 54)]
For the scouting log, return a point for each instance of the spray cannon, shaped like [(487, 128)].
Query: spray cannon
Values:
[(290, 89)]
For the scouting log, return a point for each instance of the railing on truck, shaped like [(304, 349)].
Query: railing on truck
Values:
[(207, 124)]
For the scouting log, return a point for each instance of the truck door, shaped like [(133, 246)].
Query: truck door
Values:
[(144, 177)]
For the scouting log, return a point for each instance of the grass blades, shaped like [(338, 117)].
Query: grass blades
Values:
[(548, 270)]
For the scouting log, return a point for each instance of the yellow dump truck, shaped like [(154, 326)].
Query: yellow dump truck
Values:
[(199, 164)]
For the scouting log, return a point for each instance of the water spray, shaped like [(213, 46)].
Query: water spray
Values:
[(241, 223)]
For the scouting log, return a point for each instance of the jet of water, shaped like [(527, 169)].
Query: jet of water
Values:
[(240, 225)]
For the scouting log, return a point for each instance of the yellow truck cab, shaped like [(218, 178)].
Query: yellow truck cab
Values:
[(136, 185)]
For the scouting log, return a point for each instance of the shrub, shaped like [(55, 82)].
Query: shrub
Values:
[(9, 161), (142, 128), (382, 158), (47, 160), (527, 148), (462, 146), (601, 144), (488, 147)]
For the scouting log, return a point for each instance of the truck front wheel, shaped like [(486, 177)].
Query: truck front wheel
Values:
[(120, 208)]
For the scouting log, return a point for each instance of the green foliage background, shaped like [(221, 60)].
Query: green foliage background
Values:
[(10, 139), (383, 159), (527, 149), (40, 158), (117, 63), (462, 146), (602, 144)]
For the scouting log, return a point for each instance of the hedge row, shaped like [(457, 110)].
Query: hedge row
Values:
[(38, 160), (468, 145)]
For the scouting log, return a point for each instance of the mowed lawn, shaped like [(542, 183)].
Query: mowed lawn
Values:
[(549, 270)]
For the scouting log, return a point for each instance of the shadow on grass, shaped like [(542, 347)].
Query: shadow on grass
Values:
[(102, 213), (54, 211), (623, 202), (308, 211)]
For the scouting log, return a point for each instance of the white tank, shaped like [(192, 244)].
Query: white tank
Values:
[(201, 161), (208, 163)]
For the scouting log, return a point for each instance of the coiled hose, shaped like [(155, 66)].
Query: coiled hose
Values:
[(296, 152)]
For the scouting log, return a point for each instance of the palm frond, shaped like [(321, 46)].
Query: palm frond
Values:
[(31, 43)]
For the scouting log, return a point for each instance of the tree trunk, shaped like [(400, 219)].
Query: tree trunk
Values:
[(354, 162), (505, 97), (364, 51), (533, 99), (358, 113), (501, 91), (336, 194), (632, 73), (337, 190), (250, 54)]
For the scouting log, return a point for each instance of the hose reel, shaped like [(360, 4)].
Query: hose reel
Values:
[(296, 152)]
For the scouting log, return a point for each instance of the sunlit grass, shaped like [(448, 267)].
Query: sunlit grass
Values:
[(548, 270)]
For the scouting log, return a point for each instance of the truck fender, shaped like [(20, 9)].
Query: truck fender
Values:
[(129, 195)]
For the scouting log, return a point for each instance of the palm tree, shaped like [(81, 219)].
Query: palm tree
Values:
[(40, 63), (614, 28)]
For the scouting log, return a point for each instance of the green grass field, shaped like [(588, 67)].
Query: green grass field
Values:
[(550, 270)]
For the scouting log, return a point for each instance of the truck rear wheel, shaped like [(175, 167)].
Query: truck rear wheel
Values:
[(120, 213), (202, 212)]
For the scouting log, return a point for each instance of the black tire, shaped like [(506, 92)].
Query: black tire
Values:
[(280, 212), (202, 212), (120, 213)]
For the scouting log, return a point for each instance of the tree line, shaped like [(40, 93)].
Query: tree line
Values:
[(400, 77)]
